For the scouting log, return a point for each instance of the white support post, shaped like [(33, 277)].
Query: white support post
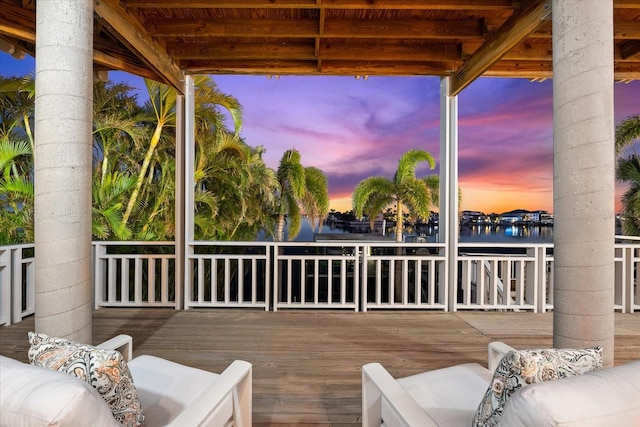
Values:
[(584, 175), (180, 188), (448, 223), (5, 286), (63, 151), (189, 186)]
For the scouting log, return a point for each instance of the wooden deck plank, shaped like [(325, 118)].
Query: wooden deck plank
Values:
[(307, 364)]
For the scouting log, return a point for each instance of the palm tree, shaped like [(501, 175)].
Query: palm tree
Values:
[(628, 170), (291, 187), (315, 200), (373, 194), (16, 160)]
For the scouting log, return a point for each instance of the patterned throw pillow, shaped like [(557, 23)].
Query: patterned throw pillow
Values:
[(521, 367), (106, 370)]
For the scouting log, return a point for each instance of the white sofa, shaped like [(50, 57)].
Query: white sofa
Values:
[(450, 397), (171, 394)]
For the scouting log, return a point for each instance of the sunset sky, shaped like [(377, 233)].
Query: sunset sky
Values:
[(352, 129)]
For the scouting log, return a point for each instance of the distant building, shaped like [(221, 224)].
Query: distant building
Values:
[(522, 216), (473, 217)]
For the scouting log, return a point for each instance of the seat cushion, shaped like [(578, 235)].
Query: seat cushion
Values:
[(610, 397), (105, 370), (166, 389), (520, 368), (450, 395), (31, 396)]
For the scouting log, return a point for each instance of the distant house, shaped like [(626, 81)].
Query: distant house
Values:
[(513, 217), (519, 216), (472, 217)]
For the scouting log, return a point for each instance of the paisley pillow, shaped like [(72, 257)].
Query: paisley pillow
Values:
[(105, 370), (519, 368)]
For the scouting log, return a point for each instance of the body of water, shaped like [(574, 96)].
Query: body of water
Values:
[(471, 234)]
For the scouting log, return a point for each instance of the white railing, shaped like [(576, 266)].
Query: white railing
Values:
[(17, 292), (627, 269), (134, 274), (342, 275), (228, 274), (514, 277), (404, 276), (312, 275)]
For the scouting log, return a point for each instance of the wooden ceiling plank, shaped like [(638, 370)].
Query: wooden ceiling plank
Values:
[(509, 35), (133, 34)]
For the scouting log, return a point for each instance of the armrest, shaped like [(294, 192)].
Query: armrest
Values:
[(378, 386), (237, 380), (497, 350), (122, 343)]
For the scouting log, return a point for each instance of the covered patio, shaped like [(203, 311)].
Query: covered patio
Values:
[(306, 364)]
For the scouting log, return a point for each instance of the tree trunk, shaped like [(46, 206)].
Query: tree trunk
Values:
[(280, 229)]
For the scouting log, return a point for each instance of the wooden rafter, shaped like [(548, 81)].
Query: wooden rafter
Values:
[(325, 4), (510, 34), (131, 32)]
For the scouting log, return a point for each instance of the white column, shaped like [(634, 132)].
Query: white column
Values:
[(179, 240), (63, 121), (448, 223), (584, 177), (189, 165)]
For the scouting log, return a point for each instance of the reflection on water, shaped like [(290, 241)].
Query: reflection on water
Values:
[(468, 234), (507, 234)]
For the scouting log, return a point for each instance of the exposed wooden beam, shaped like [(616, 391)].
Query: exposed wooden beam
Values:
[(113, 63), (392, 51), (131, 33), (325, 4), (510, 34), (338, 68), (630, 50), (21, 34), (307, 28)]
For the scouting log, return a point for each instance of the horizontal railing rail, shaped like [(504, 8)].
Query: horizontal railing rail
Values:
[(352, 275)]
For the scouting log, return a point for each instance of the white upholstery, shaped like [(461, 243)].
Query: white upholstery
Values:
[(171, 394), (451, 395), (154, 376), (610, 397), (32, 397)]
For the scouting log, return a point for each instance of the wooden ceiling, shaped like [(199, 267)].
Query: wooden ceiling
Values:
[(163, 39)]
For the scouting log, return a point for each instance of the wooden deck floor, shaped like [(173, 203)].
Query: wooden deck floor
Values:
[(306, 364)]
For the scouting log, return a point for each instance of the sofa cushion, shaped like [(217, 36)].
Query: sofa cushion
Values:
[(105, 370), (609, 397), (522, 367), (167, 388), (33, 397), (450, 395)]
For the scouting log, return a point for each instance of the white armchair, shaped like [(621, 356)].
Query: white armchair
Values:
[(171, 394), (443, 397), (177, 395), (451, 396)]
